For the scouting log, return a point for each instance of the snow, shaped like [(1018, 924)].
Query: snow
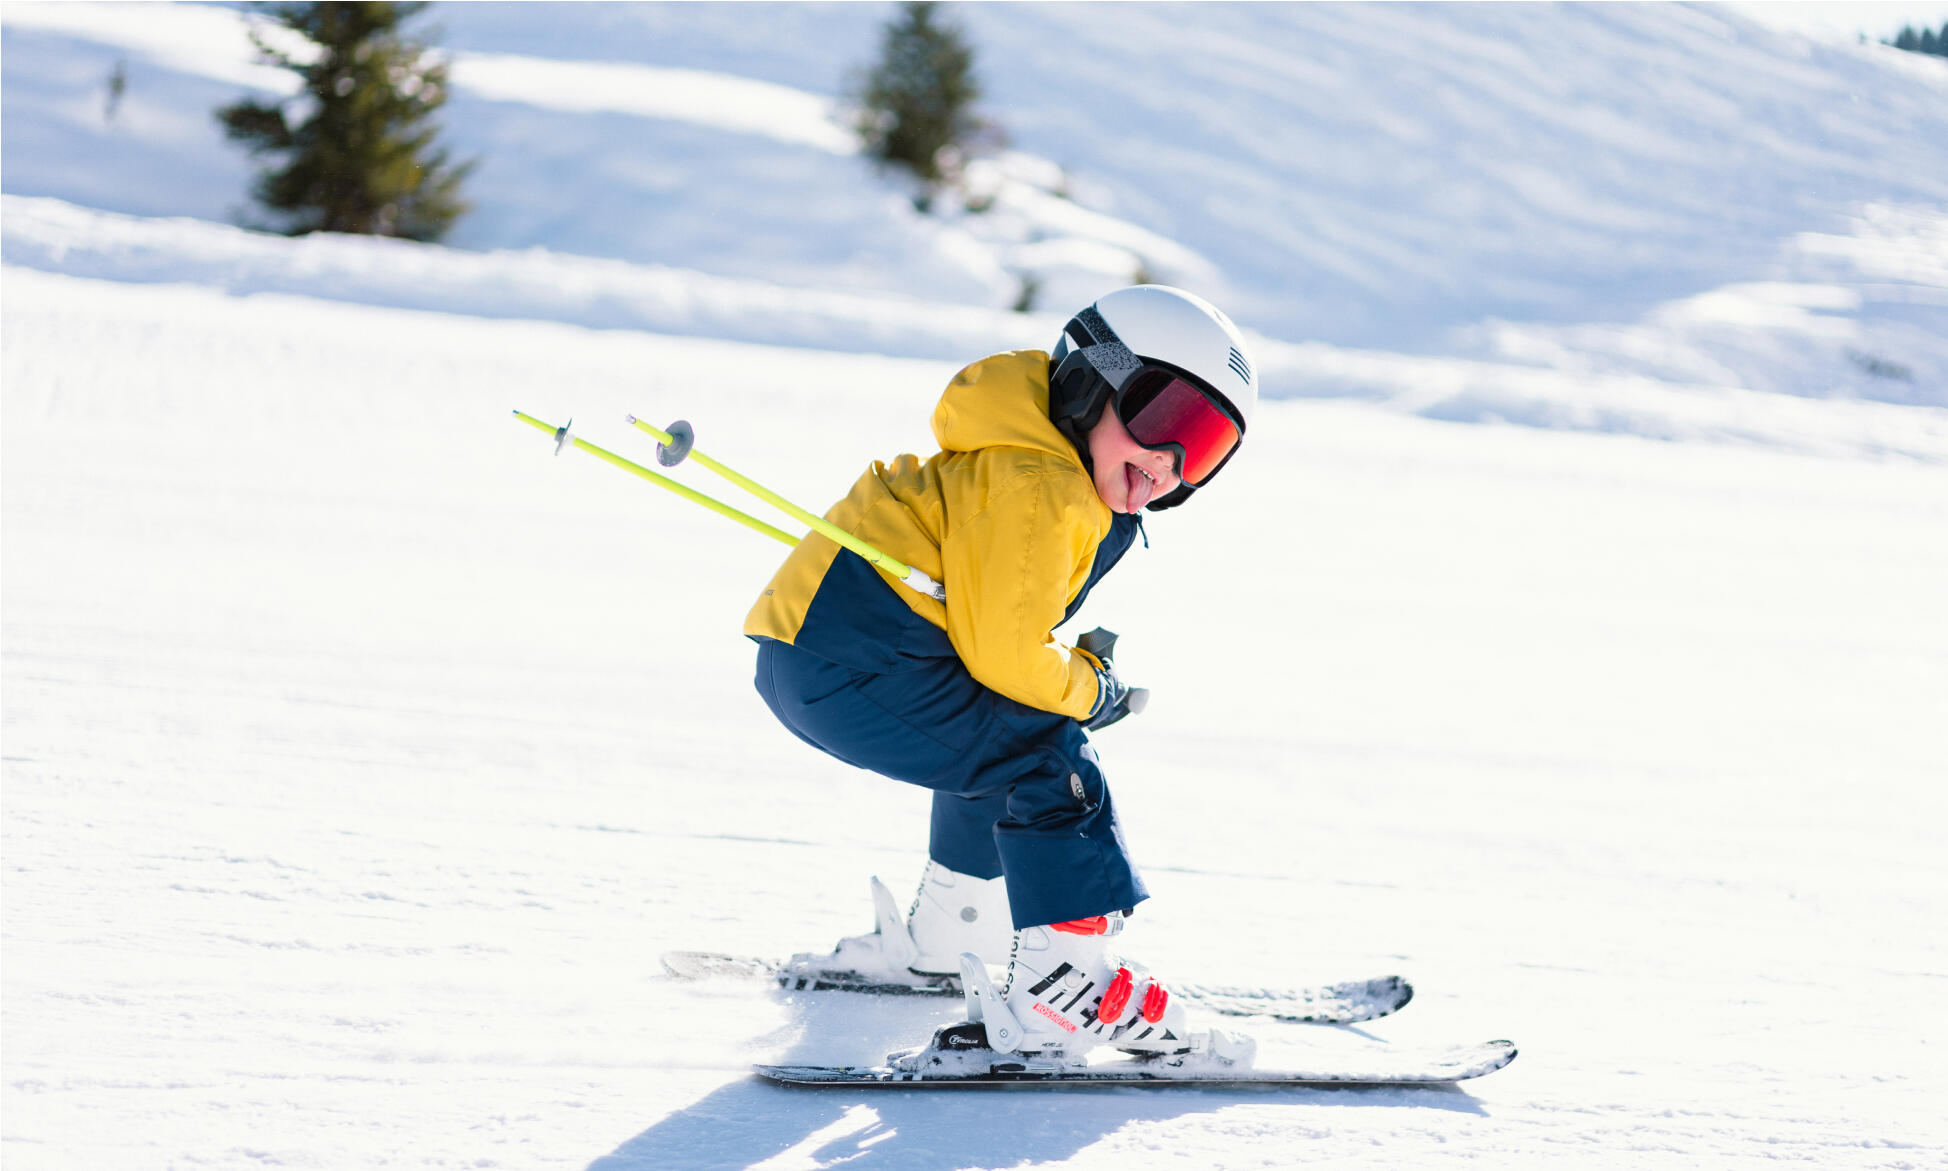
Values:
[(1424, 167), (733, 104), (361, 756)]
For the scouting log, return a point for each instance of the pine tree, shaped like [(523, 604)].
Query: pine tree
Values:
[(1926, 41), (919, 97), (362, 158)]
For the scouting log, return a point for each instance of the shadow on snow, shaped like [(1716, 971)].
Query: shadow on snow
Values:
[(752, 1121)]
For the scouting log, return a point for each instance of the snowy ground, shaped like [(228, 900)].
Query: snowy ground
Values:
[(360, 757)]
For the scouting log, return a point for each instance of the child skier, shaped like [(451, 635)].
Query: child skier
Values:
[(1046, 461)]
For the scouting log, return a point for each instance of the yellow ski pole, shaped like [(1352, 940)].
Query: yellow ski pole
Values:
[(563, 439), (679, 443)]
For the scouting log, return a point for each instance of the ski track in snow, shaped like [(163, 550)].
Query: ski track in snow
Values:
[(361, 757)]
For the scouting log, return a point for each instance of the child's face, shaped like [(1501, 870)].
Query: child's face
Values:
[(1128, 474)]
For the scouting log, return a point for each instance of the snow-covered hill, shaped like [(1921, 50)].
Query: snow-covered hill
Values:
[(361, 756), (1668, 191)]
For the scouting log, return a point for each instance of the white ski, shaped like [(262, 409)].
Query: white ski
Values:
[(1347, 1003)]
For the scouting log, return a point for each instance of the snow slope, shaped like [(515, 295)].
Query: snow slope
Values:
[(1583, 188), (360, 756)]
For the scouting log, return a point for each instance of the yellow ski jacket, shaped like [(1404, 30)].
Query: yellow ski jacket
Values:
[(1005, 516)]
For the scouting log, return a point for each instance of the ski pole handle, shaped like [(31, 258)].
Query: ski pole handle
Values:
[(1100, 643)]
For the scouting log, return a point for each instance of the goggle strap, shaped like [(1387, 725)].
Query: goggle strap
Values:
[(1107, 353)]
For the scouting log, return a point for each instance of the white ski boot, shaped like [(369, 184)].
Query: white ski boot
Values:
[(1070, 993), (1067, 994), (955, 913), (952, 913)]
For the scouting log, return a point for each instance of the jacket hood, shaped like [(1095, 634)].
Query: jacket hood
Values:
[(1001, 401)]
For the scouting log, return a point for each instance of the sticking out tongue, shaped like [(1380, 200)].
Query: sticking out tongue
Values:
[(1140, 487)]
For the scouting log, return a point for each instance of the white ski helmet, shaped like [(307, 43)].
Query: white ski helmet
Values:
[(1130, 346)]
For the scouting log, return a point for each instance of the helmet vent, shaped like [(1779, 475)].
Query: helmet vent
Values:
[(1239, 366)]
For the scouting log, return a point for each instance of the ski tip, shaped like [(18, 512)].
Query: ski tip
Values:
[(1496, 1055)]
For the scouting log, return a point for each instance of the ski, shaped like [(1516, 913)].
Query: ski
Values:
[(1340, 1004), (946, 1067)]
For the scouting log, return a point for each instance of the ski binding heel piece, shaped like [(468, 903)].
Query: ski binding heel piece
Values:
[(895, 941), (960, 1050), (875, 962), (989, 1008)]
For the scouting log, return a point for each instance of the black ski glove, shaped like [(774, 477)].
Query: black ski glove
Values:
[(1115, 699)]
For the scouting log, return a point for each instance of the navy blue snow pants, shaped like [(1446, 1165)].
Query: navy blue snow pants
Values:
[(1016, 790)]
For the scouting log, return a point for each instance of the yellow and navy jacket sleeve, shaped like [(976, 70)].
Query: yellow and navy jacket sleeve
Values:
[(1005, 516), (1011, 571)]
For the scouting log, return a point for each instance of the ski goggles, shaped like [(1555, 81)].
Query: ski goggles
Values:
[(1163, 410)]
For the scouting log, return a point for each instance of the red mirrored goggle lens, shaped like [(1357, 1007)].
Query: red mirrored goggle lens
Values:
[(1170, 410)]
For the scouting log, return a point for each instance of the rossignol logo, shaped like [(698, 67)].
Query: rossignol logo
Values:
[(1057, 1017)]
